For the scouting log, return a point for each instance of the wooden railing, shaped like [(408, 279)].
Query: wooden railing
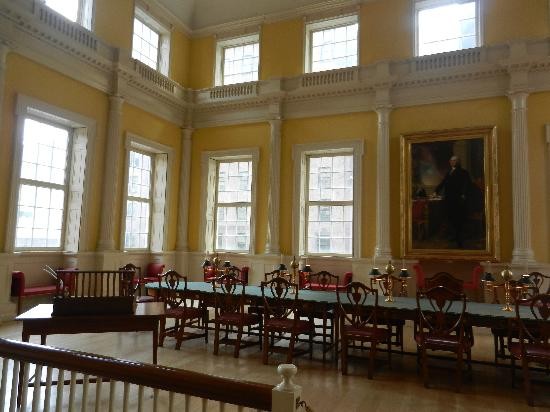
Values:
[(64, 379)]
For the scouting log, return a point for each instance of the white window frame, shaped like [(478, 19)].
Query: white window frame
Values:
[(77, 186), (420, 5), (163, 30), (300, 153), (324, 24), (85, 16), (209, 168), (160, 193), (221, 45)]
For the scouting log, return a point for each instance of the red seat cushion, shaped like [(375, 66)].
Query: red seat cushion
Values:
[(39, 290), (239, 319), (302, 326), (449, 342), (186, 313), (533, 351), (370, 332)]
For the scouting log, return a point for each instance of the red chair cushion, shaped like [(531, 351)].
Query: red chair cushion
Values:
[(534, 352), (380, 334)]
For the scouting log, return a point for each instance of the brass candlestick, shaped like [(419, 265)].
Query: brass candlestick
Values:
[(294, 266), (507, 277), (389, 270)]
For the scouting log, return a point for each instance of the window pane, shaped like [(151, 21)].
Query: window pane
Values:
[(39, 217), (44, 152), (235, 182), (329, 229), (240, 63), (145, 46), (447, 28), (139, 175), (233, 228), (329, 177), (67, 8), (137, 225), (334, 48)]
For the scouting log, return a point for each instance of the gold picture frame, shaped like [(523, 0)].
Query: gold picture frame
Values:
[(449, 194)]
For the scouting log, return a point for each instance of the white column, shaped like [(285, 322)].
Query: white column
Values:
[(185, 179), (273, 197), (4, 50), (110, 178), (522, 251), (383, 249)]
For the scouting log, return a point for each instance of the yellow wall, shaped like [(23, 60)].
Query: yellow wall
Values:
[(277, 61), (386, 31), (114, 22), (361, 126), (180, 52), (31, 79), (202, 62), (483, 112), (152, 128), (539, 166), (224, 138), (514, 19)]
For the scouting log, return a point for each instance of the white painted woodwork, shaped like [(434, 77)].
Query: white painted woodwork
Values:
[(110, 177), (274, 193), (383, 164), (184, 187)]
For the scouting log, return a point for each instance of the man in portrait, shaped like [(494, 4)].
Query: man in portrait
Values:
[(455, 189)]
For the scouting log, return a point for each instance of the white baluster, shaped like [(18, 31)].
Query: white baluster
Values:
[(285, 394), (98, 386), (48, 390), (72, 390), (85, 389), (187, 401), (59, 394), (14, 385), (170, 401), (125, 397), (155, 400), (112, 395), (204, 404), (140, 398), (25, 386), (4, 381), (36, 389)]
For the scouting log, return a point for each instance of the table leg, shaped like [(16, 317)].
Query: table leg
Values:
[(43, 339), (155, 341)]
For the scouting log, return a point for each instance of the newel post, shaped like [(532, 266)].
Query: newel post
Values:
[(286, 395)]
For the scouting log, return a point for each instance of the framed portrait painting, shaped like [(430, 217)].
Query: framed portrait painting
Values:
[(449, 194)]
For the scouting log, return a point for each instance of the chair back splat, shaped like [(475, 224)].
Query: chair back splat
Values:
[(445, 279)]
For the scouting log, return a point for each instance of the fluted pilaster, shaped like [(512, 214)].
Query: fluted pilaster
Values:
[(522, 251), (185, 179), (274, 193), (383, 248), (111, 178)]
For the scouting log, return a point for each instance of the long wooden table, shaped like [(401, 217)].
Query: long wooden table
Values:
[(39, 321)]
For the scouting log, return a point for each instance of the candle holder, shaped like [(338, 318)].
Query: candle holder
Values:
[(404, 279), (389, 270), (226, 266), (375, 272), (507, 275), (294, 265)]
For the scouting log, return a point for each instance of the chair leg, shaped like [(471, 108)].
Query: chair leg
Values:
[(179, 334), (513, 368), (372, 354), (389, 353), (216, 338), (344, 356), (459, 371), (527, 382), (290, 353), (162, 328), (425, 367), (495, 342), (324, 338), (238, 341), (265, 349)]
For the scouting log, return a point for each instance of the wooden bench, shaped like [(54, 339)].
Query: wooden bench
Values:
[(20, 290)]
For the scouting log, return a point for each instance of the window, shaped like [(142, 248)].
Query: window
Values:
[(79, 11), (230, 179), (48, 180), (328, 191), (446, 25), (151, 42), (237, 60), (331, 44), (146, 194)]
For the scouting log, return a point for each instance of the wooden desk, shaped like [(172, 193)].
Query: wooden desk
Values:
[(39, 321)]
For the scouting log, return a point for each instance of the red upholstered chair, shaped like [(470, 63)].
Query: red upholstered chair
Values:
[(282, 312), (474, 284), (153, 272), (230, 313), (533, 345), (20, 290), (420, 276), (440, 328), (360, 323), (182, 306)]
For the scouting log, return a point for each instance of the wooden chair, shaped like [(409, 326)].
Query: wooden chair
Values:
[(138, 283), (210, 273), (394, 325), (230, 312), (153, 272), (275, 274), (325, 282), (444, 279), (360, 323), (533, 343), (186, 310), (282, 316), (440, 328)]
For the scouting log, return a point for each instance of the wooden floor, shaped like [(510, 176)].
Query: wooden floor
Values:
[(324, 388)]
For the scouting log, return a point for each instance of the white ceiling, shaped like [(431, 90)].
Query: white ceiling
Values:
[(199, 14)]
